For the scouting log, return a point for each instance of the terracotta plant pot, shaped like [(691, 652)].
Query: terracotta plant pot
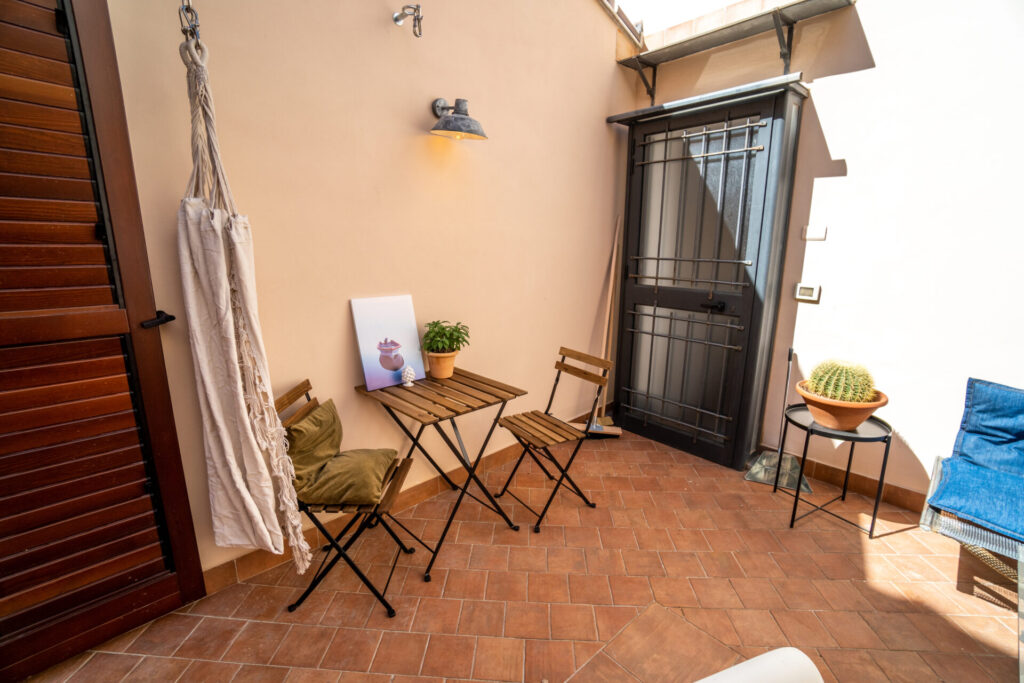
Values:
[(842, 415), (442, 365)]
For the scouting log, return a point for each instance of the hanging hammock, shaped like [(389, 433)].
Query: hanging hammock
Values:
[(250, 474)]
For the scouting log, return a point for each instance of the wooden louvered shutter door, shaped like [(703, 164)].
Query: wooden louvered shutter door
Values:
[(95, 532)]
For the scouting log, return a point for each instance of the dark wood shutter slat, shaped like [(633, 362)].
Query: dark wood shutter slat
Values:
[(55, 276), (33, 42), (56, 255), (29, 15), (75, 559), (83, 577), (61, 324), (90, 538), (42, 187), (19, 504), (64, 412), (44, 232), (41, 375), (48, 209), (148, 592), (56, 297), (48, 141), (38, 92), (69, 507), (34, 358), (35, 163), (62, 455), (40, 116), (48, 4), (37, 68), (54, 394), (65, 528), (79, 468), (52, 436)]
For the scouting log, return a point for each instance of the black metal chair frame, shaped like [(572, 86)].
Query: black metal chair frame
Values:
[(542, 453), (364, 517)]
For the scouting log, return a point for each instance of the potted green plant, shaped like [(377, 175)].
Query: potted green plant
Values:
[(840, 395), (442, 341)]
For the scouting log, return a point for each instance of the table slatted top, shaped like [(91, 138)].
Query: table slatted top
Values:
[(430, 400)]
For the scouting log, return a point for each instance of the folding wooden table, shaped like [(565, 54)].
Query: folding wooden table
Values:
[(432, 402)]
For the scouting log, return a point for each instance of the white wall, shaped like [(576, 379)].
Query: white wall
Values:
[(910, 155)]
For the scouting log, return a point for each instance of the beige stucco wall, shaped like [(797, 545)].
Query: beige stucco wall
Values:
[(907, 154), (323, 109)]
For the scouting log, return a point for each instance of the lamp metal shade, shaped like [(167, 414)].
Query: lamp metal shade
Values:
[(458, 124)]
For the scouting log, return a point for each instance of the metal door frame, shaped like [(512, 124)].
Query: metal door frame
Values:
[(784, 99)]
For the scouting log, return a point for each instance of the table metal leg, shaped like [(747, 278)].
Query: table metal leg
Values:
[(778, 463), (472, 467), (416, 445), (472, 474), (881, 487), (799, 480), (849, 464)]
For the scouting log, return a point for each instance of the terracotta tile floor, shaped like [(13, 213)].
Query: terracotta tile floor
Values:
[(682, 569)]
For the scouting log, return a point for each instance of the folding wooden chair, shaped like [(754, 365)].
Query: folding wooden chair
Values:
[(363, 516), (537, 431)]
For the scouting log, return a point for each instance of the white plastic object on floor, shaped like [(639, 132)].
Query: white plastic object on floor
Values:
[(785, 665)]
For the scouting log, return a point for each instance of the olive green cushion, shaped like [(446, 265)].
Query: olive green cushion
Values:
[(322, 474), (352, 478), (313, 441)]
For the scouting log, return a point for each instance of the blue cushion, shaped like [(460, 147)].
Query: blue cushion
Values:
[(989, 498), (984, 480), (992, 430)]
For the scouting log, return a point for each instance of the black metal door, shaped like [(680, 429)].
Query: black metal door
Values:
[(693, 291)]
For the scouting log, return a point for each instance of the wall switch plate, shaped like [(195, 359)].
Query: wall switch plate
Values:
[(815, 233), (808, 293)]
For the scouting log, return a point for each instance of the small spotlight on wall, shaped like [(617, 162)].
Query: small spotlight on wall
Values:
[(455, 122), (417, 18)]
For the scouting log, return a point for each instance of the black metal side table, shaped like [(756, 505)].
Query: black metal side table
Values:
[(872, 430)]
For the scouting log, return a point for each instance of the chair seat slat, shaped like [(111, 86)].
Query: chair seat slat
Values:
[(563, 427)]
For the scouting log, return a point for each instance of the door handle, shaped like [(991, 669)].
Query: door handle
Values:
[(713, 306), (162, 318)]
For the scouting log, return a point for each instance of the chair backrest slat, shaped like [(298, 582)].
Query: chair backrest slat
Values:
[(292, 395), (394, 484), (302, 412), (585, 358), (585, 375)]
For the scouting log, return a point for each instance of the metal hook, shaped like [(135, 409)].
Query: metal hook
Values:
[(417, 18), (189, 20)]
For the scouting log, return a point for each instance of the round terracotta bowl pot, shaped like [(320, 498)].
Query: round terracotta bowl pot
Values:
[(442, 365), (842, 415)]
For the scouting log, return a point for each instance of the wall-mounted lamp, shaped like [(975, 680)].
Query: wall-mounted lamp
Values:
[(417, 18), (455, 122)]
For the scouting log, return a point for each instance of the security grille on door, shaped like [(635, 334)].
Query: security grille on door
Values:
[(707, 203)]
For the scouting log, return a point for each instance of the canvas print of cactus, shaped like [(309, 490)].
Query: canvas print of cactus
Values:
[(388, 339)]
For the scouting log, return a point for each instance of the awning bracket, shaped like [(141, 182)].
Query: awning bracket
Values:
[(649, 85), (785, 41)]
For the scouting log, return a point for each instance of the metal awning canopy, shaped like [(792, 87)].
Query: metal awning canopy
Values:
[(787, 14), (738, 94)]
